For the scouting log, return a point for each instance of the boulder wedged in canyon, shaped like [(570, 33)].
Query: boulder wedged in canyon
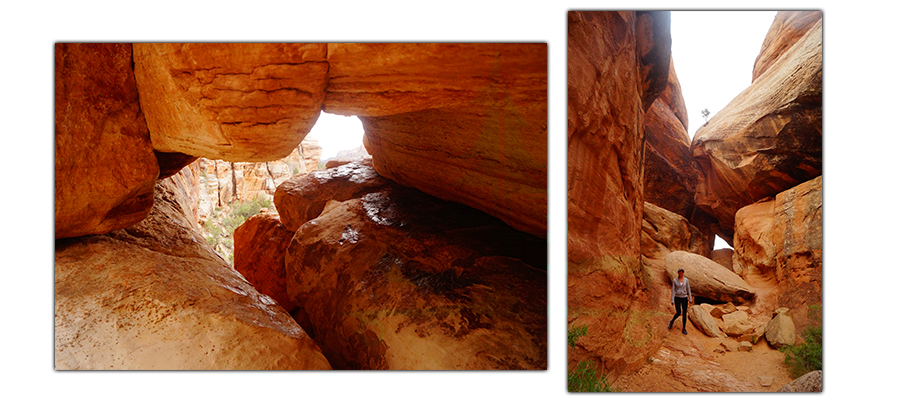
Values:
[(778, 244), (709, 279), (463, 122), (768, 138), (248, 102), (618, 64), (397, 279), (171, 304), (302, 198), (663, 232), (259, 247), (105, 168)]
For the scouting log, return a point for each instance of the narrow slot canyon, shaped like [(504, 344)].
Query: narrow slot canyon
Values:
[(737, 205), (198, 226)]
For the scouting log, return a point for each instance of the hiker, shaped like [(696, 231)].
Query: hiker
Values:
[(681, 296)]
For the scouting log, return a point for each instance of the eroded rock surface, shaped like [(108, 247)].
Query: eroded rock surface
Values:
[(618, 64), (247, 102), (396, 279), (155, 296), (105, 168), (768, 138), (259, 247)]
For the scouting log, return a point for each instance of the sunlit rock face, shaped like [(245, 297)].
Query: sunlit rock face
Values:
[(463, 122), (778, 244), (397, 279), (155, 296), (786, 30), (769, 138), (618, 65), (248, 102), (105, 168)]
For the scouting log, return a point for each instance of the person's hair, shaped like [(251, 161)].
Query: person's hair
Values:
[(680, 269)]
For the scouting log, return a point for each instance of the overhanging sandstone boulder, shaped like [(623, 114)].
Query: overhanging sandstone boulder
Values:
[(768, 138), (248, 102), (709, 279)]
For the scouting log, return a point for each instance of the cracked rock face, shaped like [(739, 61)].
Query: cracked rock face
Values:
[(397, 279), (246, 102)]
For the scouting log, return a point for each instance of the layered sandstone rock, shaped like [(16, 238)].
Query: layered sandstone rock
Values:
[(174, 304), (618, 65), (709, 279), (249, 102), (779, 242), (463, 122), (663, 232), (810, 382), (723, 257), (302, 198), (259, 247), (768, 138), (396, 279), (105, 168), (704, 321), (786, 30)]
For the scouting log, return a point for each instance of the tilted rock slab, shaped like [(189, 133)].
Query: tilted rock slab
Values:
[(241, 102), (704, 321), (155, 296), (105, 167), (809, 382), (396, 279), (709, 279), (618, 64), (768, 138), (463, 122), (259, 247)]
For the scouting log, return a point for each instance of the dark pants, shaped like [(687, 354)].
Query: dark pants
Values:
[(681, 310)]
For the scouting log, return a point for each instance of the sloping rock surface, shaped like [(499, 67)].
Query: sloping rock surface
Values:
[(768, 138), (172, 304), (396, 279)]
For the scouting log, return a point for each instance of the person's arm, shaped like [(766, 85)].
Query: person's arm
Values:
[(672, 301), (690, 296)]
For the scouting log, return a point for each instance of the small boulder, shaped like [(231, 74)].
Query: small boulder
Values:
[(703, 321), (810, 382), (781, 331), (745, 346), (721, 310), (737, 324)]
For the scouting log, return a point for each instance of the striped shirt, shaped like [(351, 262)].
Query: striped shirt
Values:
[(681, 289)]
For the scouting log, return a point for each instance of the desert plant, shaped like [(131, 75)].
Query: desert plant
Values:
[(585, 377), (807, 356)]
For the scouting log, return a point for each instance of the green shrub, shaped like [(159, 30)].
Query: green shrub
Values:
[(807, 356), (220, 227), (585, 377)]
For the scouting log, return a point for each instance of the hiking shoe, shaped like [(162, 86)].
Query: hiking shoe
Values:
[(684, 331), (670, 324)]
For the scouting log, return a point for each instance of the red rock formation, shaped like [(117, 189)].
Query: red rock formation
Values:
[(769, 138), (302, 198), (778, 246), (105, 168), (786, 30), (249, 102), (259, 247), (463, 122), (618, 64), (153, 296), (397, 279)]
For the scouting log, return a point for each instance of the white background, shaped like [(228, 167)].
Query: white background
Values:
[(860, 286)]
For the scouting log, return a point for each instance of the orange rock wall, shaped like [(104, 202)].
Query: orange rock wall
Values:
[(618, 65)]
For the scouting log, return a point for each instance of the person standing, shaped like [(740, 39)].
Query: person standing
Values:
[(681, 296)]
